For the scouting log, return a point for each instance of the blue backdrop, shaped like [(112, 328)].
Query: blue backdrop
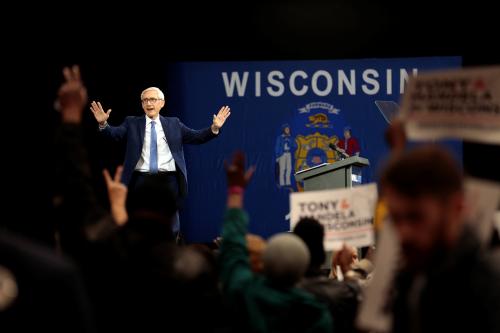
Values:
[(316, 100)]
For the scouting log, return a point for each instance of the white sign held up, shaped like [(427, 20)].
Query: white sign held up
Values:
[(463, 104), (482, 200), (346, 214)]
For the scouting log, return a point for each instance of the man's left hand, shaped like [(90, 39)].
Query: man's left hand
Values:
[(220, 118)]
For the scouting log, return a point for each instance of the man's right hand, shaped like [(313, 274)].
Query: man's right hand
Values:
[(99, 113)]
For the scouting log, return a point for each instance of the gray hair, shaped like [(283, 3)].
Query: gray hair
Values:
[(285, 259), (160, 93)]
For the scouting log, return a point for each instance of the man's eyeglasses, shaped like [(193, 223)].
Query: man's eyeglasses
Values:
[(152, 100)]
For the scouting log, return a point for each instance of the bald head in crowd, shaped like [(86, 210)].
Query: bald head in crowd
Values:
[(286, 259)]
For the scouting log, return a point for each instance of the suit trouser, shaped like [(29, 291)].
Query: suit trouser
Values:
[(170, 179), (285, 164)]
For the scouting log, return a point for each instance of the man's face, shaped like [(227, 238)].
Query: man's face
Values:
[(423, 225), (287, 130), (347, 134), (151, 104)]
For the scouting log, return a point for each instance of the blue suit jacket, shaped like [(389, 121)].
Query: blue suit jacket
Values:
[(132, 131), (280, 145)]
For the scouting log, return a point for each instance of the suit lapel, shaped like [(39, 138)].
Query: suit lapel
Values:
[(142, 127), (164, 125)]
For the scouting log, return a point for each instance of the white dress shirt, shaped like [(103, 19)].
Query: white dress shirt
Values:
[(165, 158)]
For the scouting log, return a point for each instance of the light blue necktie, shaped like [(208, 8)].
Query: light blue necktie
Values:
[(153, 151)]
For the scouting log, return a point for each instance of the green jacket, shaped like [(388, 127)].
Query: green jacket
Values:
[(257, 305)]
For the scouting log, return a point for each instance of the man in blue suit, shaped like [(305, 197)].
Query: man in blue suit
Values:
[(154, 144), (285, 149)]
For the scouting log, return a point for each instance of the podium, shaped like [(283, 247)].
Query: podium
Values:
[(341, 174)]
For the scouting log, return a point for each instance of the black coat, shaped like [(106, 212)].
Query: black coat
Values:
[(51, 296), (459, 293)]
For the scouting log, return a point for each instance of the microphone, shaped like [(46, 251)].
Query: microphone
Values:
[(334, 147)]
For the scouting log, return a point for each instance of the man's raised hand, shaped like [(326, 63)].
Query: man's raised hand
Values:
[(99, 113), (220, 118)]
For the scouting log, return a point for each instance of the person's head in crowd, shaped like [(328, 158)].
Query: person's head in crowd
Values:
[(312, 233), (344, 258), (196, 266), (151, 207), (360, 272), (256, 246), (286, 259), (195, 290), (347, 132), (424, 196)]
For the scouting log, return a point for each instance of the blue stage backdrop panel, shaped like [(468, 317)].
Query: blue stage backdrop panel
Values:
[(315, 100)]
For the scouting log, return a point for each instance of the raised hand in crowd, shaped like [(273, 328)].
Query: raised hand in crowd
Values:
[(72, 96), (237, 179), (117, 194)]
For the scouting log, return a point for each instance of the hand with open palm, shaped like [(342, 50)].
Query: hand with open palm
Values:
[(220, 118), (99, 114)]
